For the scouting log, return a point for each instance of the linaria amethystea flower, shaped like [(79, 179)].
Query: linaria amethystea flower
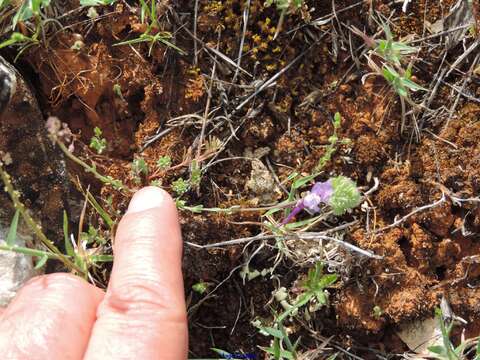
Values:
[(340, 193)]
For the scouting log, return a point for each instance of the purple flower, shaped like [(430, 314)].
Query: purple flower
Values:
[(320, 193)]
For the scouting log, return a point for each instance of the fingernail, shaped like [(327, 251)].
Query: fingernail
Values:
[(145, 199)]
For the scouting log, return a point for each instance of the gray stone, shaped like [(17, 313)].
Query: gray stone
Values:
[(15, 270)]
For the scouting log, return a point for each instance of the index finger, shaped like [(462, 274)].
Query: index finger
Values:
[(143, 313)]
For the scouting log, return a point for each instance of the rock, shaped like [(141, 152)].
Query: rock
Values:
[(15, 270), (419, 335), (37, 171)]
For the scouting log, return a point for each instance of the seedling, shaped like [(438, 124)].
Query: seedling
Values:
[(164, 162), (377, 312), (180, 186), (195, 174), (117, 90), (139, 168), (200, 287), (390, 50), (401, 83), (281, 347), (98, 143), (314, 290)]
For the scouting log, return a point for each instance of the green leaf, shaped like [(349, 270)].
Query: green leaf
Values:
[(345, 195), (22, 14), (321, 298), (66, 237), (12, 232), (278, 353), (437, 349), (411, 85), (41, 262), (327, 280), (401, 90), (403, 49), (337, 120), (221, 352), (103, 214), (388, 75), (302, 181), (101, 258)]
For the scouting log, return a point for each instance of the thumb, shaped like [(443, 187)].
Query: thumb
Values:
[(143, 313)]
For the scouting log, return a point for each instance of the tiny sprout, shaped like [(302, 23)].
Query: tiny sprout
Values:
[(139, 166), (117, 90), (98, 143), (180, 186), (164, 162), (377, 312), (337, 120), (196, 174), (200, 287)]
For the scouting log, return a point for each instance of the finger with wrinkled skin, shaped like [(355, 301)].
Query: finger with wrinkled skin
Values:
[(143, 314), (50, 318)]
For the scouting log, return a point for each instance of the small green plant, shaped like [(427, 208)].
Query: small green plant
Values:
[(195, 174), (139, 168), (345, 196), (117, 90), (180, 186), (19, 39), (281, 347), (93, 236), (314, 290), (31, 11), (401, 82), (377, 312), (200, 287), (164, 162), (332, 143), (152, 34), (390, 50), (97, 142)]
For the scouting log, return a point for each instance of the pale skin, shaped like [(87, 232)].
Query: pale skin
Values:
[(141, 315)]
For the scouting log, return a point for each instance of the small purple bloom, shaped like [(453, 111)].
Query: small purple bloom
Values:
[(320, 193)]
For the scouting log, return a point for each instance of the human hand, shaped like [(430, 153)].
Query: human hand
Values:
[(142, 315)]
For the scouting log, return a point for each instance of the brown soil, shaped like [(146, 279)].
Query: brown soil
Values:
[(432, 253)]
